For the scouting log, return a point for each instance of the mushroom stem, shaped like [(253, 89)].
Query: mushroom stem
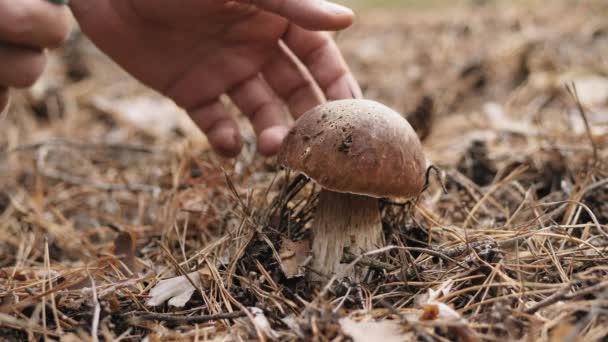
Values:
[(344, 220)]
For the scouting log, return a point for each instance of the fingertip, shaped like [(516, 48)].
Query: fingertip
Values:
[(219, 127), (225, 139), (343, 16), (270, 140), (316, 15), (62, 28)]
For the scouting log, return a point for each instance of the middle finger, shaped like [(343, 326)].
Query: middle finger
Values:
[(290, 82)]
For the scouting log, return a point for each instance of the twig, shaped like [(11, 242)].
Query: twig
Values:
[(189, 319), (563, 294), (428, 175), (594, 289), (435, 253), (89, 146), (75, 180), (350, 266), (7, 320), (349, 257), (572, 91), (380, 265), (552, 299), (96, 312)]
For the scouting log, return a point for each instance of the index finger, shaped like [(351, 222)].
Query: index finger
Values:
[(311, 14)]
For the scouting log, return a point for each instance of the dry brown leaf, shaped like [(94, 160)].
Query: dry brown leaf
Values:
[(293, 257), (124, 249), (592, 89), (431, 312), (70, 338), (564, 332), (435, 310), (262, 323)]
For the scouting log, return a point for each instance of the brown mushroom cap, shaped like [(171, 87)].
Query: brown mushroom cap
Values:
[(356, 146)]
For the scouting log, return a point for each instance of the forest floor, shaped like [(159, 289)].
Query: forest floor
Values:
[(117, 222)]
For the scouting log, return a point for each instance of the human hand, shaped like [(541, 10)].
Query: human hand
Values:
[(27, 28), (258, 52)]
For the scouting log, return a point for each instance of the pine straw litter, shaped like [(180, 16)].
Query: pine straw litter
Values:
[(117, 223)]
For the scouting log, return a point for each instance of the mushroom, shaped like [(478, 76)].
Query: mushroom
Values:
[(358, 151)]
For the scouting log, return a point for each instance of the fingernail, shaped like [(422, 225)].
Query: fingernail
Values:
[(337, 9)]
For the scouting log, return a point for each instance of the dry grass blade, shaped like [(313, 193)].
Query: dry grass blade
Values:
[(571, 88)]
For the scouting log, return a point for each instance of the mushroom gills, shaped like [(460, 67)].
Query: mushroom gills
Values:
[(344, 220)]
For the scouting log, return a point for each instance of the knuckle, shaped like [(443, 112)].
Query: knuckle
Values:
[(303, 84), (56, 39), (317, 51), (59, 32)]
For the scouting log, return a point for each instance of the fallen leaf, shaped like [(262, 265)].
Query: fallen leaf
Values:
[(434, 294), (292, 322), (124, 249), (70, 337), (598, 122), (262, 323), (500, 121), (384, 331), (430, 313), (177, 290), (439, 310), (592, 90), (434, 310), (421, 118), (564, 332), (294, 255)]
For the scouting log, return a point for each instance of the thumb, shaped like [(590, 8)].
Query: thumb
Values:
[(317, 15)]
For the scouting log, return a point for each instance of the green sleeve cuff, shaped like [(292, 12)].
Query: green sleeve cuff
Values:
[(59, 2)]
